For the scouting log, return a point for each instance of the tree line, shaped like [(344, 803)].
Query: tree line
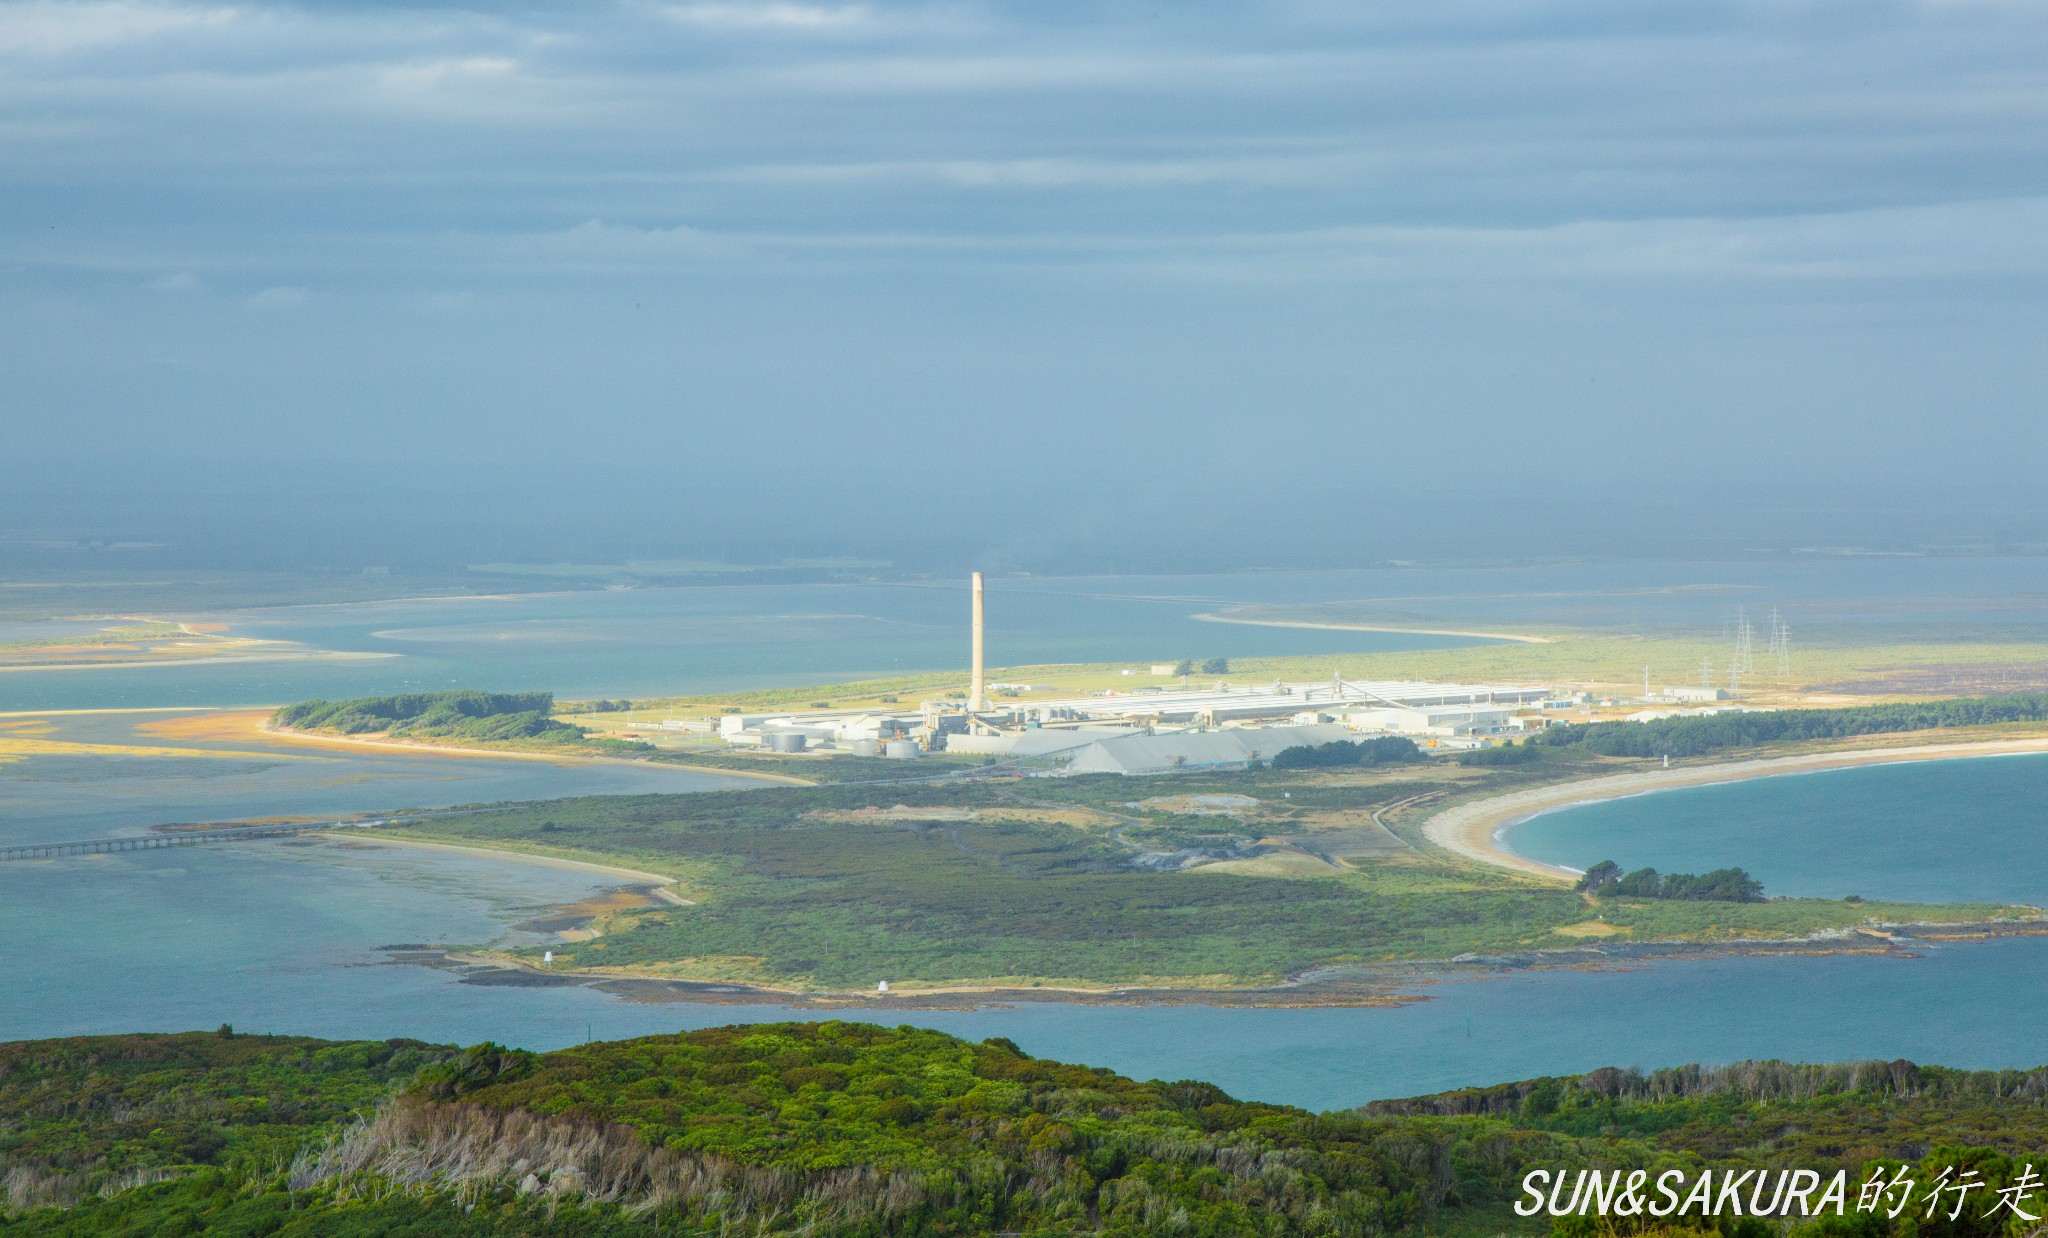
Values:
[(1700, 735), (1338, 753), (1723, 885)]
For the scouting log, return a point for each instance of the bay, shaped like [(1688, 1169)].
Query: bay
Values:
[(1959, 831)]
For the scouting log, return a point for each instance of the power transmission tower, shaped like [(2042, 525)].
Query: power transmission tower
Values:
[(1745, 642), (1781, 643), (1706, 672)]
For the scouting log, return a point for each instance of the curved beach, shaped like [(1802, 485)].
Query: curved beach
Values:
[(1474, 830)]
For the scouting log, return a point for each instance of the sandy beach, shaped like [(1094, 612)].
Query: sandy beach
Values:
[(145, 661), (1474, 830)]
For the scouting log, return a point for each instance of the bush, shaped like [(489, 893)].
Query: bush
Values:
[(438, 715), (1507, 754), (1723, 885), (1385, 750), (1702, 734)]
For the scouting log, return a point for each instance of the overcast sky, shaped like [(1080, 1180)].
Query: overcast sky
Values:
[(784, 256)]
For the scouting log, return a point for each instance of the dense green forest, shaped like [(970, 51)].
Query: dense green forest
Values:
[(1700, 736), (1509, 753), (491, 717), (847, 1129)]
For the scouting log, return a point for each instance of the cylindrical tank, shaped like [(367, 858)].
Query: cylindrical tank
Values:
[(900, 748), (863, 748), (783, 741)]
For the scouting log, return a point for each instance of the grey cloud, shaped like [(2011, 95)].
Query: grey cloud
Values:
[(1550, 223)]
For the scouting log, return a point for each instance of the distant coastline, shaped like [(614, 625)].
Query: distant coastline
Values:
[(148, 661), (1521, 638)]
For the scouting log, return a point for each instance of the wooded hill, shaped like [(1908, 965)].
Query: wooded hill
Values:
[(844, 1129)]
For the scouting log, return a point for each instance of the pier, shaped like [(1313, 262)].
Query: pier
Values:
[(193, 838)]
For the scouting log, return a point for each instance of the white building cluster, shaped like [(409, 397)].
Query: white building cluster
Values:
[(1156, 729)]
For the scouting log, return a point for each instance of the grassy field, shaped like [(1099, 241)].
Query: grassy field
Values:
[(1588, 659), (1032, 883)]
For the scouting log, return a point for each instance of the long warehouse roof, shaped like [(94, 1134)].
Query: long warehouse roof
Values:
[(1287, 697)]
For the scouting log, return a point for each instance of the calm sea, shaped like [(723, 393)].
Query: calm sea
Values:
[(668, 641)]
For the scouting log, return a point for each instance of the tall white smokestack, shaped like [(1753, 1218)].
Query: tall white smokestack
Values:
[(977, 698)]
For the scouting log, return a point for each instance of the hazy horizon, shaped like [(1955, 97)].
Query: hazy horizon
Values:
[(1068, 284)]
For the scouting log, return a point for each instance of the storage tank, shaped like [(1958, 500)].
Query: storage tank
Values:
[(863, 747), (900, 748), (785, 742)]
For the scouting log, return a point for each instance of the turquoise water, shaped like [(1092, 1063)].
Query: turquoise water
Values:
[(1971, 830), (46, 798), (196, 938), (284, 937)]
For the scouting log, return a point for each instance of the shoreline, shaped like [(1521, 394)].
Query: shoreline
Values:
[(317, 739), (1519, 638), (500, 853), (148, 663), (1388, 984), (1476, 830)]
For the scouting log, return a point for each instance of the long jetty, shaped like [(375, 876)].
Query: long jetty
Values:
[(196, 838)]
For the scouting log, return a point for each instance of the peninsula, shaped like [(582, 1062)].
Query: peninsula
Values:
[(1343, 859)]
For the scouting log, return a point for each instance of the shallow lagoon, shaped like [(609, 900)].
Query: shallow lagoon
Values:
[(669, 641), (645, 642), (279, 937)]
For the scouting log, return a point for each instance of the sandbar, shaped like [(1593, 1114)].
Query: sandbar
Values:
[(149, 661), (1518, 637), (316, 739)]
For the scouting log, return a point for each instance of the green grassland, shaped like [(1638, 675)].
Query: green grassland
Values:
[(1032, 883), (1882, 667), (1079, 882), (844, 1130)]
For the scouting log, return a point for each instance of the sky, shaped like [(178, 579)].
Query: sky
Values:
[(1032, 275)]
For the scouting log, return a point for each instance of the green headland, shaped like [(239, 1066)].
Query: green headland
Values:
[(847, 1130)]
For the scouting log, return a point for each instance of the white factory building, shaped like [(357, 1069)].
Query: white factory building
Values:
[(1190, 750), (1276, 700), (1434, 720), (1121, 731)]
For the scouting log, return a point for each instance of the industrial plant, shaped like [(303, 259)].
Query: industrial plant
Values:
[(1147, 729)]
